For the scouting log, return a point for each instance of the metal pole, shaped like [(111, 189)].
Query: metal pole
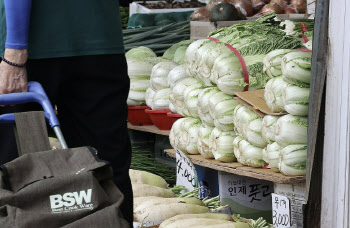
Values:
[(60, 137)]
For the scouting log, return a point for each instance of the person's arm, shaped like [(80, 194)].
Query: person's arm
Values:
[(13, 78)]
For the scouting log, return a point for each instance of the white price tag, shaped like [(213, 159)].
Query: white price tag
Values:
[(280, 211), (186, 174)]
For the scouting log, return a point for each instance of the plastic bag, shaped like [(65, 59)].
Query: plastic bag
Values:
[(299, 5), (258, 5), (201, 14), (272, 7)]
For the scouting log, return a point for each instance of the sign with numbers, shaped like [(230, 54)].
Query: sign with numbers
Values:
[(186, 174), (296, 195), (280, 211)]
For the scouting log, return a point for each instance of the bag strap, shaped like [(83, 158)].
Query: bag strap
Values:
[(31, 132)]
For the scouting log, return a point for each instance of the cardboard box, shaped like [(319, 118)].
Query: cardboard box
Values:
[(249, 197), (201, 29), (208, 180), (136, 7), (255, 101)]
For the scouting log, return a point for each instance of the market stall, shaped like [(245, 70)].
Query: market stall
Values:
[(235, 105)]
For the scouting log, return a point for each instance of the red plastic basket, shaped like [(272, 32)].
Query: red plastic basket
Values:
[(160, 119), (174, 116), (138, 117)]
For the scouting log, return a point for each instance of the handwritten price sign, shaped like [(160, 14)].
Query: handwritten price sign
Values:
[(280, 211), (186, 174)]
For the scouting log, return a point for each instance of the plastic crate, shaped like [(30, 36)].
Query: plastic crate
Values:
[(138, 117), (160, 119)]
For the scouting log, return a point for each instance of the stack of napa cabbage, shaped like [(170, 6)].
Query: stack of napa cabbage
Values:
[(287, 91), (215, 64), (309, 36), (221, 107), (157, 95), (165, 75), (287, 137), (184, 134), (176, 52), (175, 76), (208, 128), (140, 62), (289, 87), (250, 143), (211, 109), (213, 73)]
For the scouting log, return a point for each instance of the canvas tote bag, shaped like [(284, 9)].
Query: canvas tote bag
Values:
[(59, 188)]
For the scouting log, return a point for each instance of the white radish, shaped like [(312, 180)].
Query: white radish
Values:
[(139, 200), (196, 222), (151, 202), (141, 190), (162, 212), (228, 225), (142, 177), (216, 216)]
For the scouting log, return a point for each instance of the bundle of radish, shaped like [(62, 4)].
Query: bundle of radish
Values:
[(173, 220), (155, 209), (141, 190), (200, 222), (148, 184), (212, 221), (152, 204), (145, 208), (166, 210), (157, 205), (142, 202)]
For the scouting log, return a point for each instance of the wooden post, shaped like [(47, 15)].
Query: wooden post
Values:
[(336, 162), (312, 210)]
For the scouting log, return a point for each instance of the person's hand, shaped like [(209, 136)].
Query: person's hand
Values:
[(13, 79)]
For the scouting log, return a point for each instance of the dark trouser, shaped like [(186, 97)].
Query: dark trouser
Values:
[(90, 93)]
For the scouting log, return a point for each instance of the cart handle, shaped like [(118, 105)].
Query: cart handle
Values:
[(36, 94)]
